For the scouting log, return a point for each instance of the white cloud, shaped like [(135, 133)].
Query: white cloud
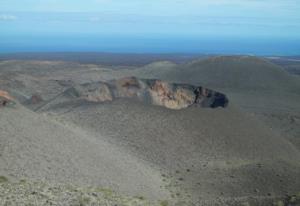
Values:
[(7, 17)]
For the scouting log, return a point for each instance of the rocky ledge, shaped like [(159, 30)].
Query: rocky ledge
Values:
[(5, 98), (156, 92)]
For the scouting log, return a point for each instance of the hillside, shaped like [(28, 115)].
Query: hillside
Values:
[(155, 136), (254, 84), (230, 72), (206, 154), (37, 147)]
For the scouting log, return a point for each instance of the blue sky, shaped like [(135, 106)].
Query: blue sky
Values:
[(80, 24)]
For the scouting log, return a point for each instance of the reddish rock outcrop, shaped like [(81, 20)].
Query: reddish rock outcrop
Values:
[(5, 98), (156, 92), (170, 96)]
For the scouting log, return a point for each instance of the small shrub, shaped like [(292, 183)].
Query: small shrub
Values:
[(105, 191), (84, 201), (164, 203), (140, 197), (279, 203), (3, 179)]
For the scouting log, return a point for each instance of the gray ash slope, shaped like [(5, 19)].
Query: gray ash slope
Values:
[(254, 84), (205, 152), (228, 72), (39, 148), (204, 155)]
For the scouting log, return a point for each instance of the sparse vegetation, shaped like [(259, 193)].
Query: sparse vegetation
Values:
[(279, 203), (3, 179), (26, 192), (105, 191), (164, 203), (293, 200), (140, 197), (157, 150), (84, 200)]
